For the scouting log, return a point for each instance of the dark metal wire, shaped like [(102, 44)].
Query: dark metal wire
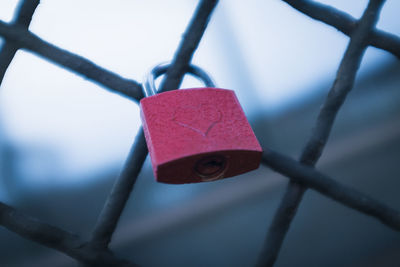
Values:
[(96, 253), (116, 201), (109, 80), (341, 87), (312, 178), (22, 19), (132, 89), (345, 23)]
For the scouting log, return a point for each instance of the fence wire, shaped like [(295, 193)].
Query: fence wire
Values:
[(344, 82), (302, 174)]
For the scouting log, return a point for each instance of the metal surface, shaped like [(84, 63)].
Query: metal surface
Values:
[(160, 69), (198, 135), (90, 252)]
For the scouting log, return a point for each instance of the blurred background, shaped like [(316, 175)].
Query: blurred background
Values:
[(63, 140)]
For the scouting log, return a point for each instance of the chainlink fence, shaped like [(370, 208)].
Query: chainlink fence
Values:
[(302, 172)]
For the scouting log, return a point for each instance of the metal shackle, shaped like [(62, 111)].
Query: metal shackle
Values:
[(149, 81)]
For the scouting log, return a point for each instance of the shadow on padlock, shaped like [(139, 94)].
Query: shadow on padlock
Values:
[(197, 134)]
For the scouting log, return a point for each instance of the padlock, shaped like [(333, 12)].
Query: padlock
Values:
[(198, 134)]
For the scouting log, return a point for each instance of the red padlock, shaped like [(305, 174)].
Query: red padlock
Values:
[(196, 135)]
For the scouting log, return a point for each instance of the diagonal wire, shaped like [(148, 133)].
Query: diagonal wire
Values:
[(350, 197), (22, 18), (26, 226), (34, 230), (131, 89), (345, 23), (341, 87), (70, 244), (75, 63), (56, 238), (123, 186), (116, 201)]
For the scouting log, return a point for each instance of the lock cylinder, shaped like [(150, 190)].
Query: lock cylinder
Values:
[(211, 167)]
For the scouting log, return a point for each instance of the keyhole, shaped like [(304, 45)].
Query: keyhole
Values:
[(211, 168)]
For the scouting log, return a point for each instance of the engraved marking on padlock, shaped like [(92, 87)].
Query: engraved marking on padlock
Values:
[(207, 167), (211, 168), (201, 119)]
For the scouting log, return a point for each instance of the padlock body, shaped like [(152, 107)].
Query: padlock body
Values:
[(199, 134)]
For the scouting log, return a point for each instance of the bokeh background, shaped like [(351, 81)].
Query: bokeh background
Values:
[(63, 139)]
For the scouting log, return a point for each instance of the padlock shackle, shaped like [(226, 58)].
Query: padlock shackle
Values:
[(149, 85)]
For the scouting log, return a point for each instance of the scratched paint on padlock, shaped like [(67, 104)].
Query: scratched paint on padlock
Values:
[(200, 118)]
